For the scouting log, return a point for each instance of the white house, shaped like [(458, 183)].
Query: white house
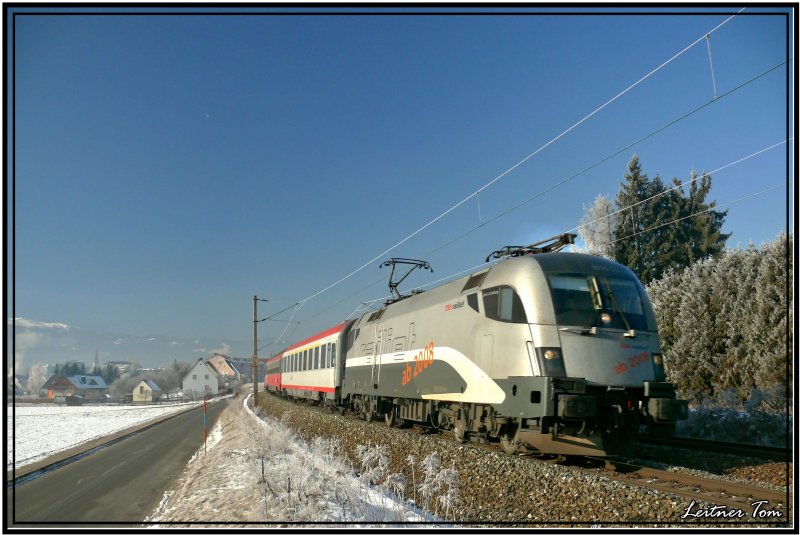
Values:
[(201, 380), (146, 391)]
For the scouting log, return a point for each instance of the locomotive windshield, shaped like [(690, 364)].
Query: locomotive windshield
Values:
[(597, 301)]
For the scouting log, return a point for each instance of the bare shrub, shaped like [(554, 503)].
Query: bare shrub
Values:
[(729, 419)]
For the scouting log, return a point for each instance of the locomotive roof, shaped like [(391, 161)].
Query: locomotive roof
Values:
[(558, 262), (565, 262), (508, 269)]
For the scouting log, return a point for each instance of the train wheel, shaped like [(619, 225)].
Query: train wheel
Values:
[(509, 444), (460, 433)]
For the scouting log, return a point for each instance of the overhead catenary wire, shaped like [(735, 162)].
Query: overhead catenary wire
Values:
[(300, 303), (707, 173), (718, 169), (525, 159), (729, 203), (606, 158), (649, 229), (296, 306)]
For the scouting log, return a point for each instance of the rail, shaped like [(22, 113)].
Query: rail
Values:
[(733, 448)]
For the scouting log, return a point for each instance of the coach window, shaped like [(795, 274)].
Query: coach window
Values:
[(503, 304), (316, 358), (333, 355)]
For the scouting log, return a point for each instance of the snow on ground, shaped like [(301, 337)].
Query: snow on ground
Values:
[(40, 431), (252, 469), (256, 470)]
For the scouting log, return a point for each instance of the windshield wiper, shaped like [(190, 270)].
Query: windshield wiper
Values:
[(630, 333), (583, 332)]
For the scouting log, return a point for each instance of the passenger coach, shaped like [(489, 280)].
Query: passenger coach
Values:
[(308, 368)]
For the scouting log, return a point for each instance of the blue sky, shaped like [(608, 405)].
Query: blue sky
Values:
[(170, 167)]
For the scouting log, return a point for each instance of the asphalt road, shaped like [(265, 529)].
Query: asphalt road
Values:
[(121, 483)]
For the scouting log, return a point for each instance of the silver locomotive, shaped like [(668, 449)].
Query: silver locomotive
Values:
[(555, 353)]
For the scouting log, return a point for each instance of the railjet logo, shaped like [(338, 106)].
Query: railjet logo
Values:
[(448, 307), (760, 510)]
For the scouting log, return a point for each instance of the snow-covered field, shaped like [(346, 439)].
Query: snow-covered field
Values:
[(39, 431), (254, 462)]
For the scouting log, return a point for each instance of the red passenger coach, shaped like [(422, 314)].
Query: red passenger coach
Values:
[(272, 381), (308, 369)]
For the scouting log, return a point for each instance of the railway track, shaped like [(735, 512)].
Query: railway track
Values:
[(758, 503), (731, 500), (669, 494), (732, 448)]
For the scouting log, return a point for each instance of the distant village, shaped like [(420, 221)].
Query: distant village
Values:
[(120, 381)]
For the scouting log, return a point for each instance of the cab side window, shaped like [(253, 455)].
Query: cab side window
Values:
[(502, 303)]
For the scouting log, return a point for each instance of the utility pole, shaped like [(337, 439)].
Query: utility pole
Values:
[(255, 352), (255, 349)]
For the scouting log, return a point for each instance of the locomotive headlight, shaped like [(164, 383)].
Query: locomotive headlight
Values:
[(551, 362), (658, 365), (605, 317)]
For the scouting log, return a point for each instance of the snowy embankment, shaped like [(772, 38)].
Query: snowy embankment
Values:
[(257, 470), (41, 431)]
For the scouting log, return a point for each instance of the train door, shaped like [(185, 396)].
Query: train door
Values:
[(376, 360)]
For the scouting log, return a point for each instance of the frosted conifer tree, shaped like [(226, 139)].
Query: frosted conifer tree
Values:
[(723, 323), (597, 227)]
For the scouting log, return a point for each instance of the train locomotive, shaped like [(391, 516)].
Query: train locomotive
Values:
[(551, 353)]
